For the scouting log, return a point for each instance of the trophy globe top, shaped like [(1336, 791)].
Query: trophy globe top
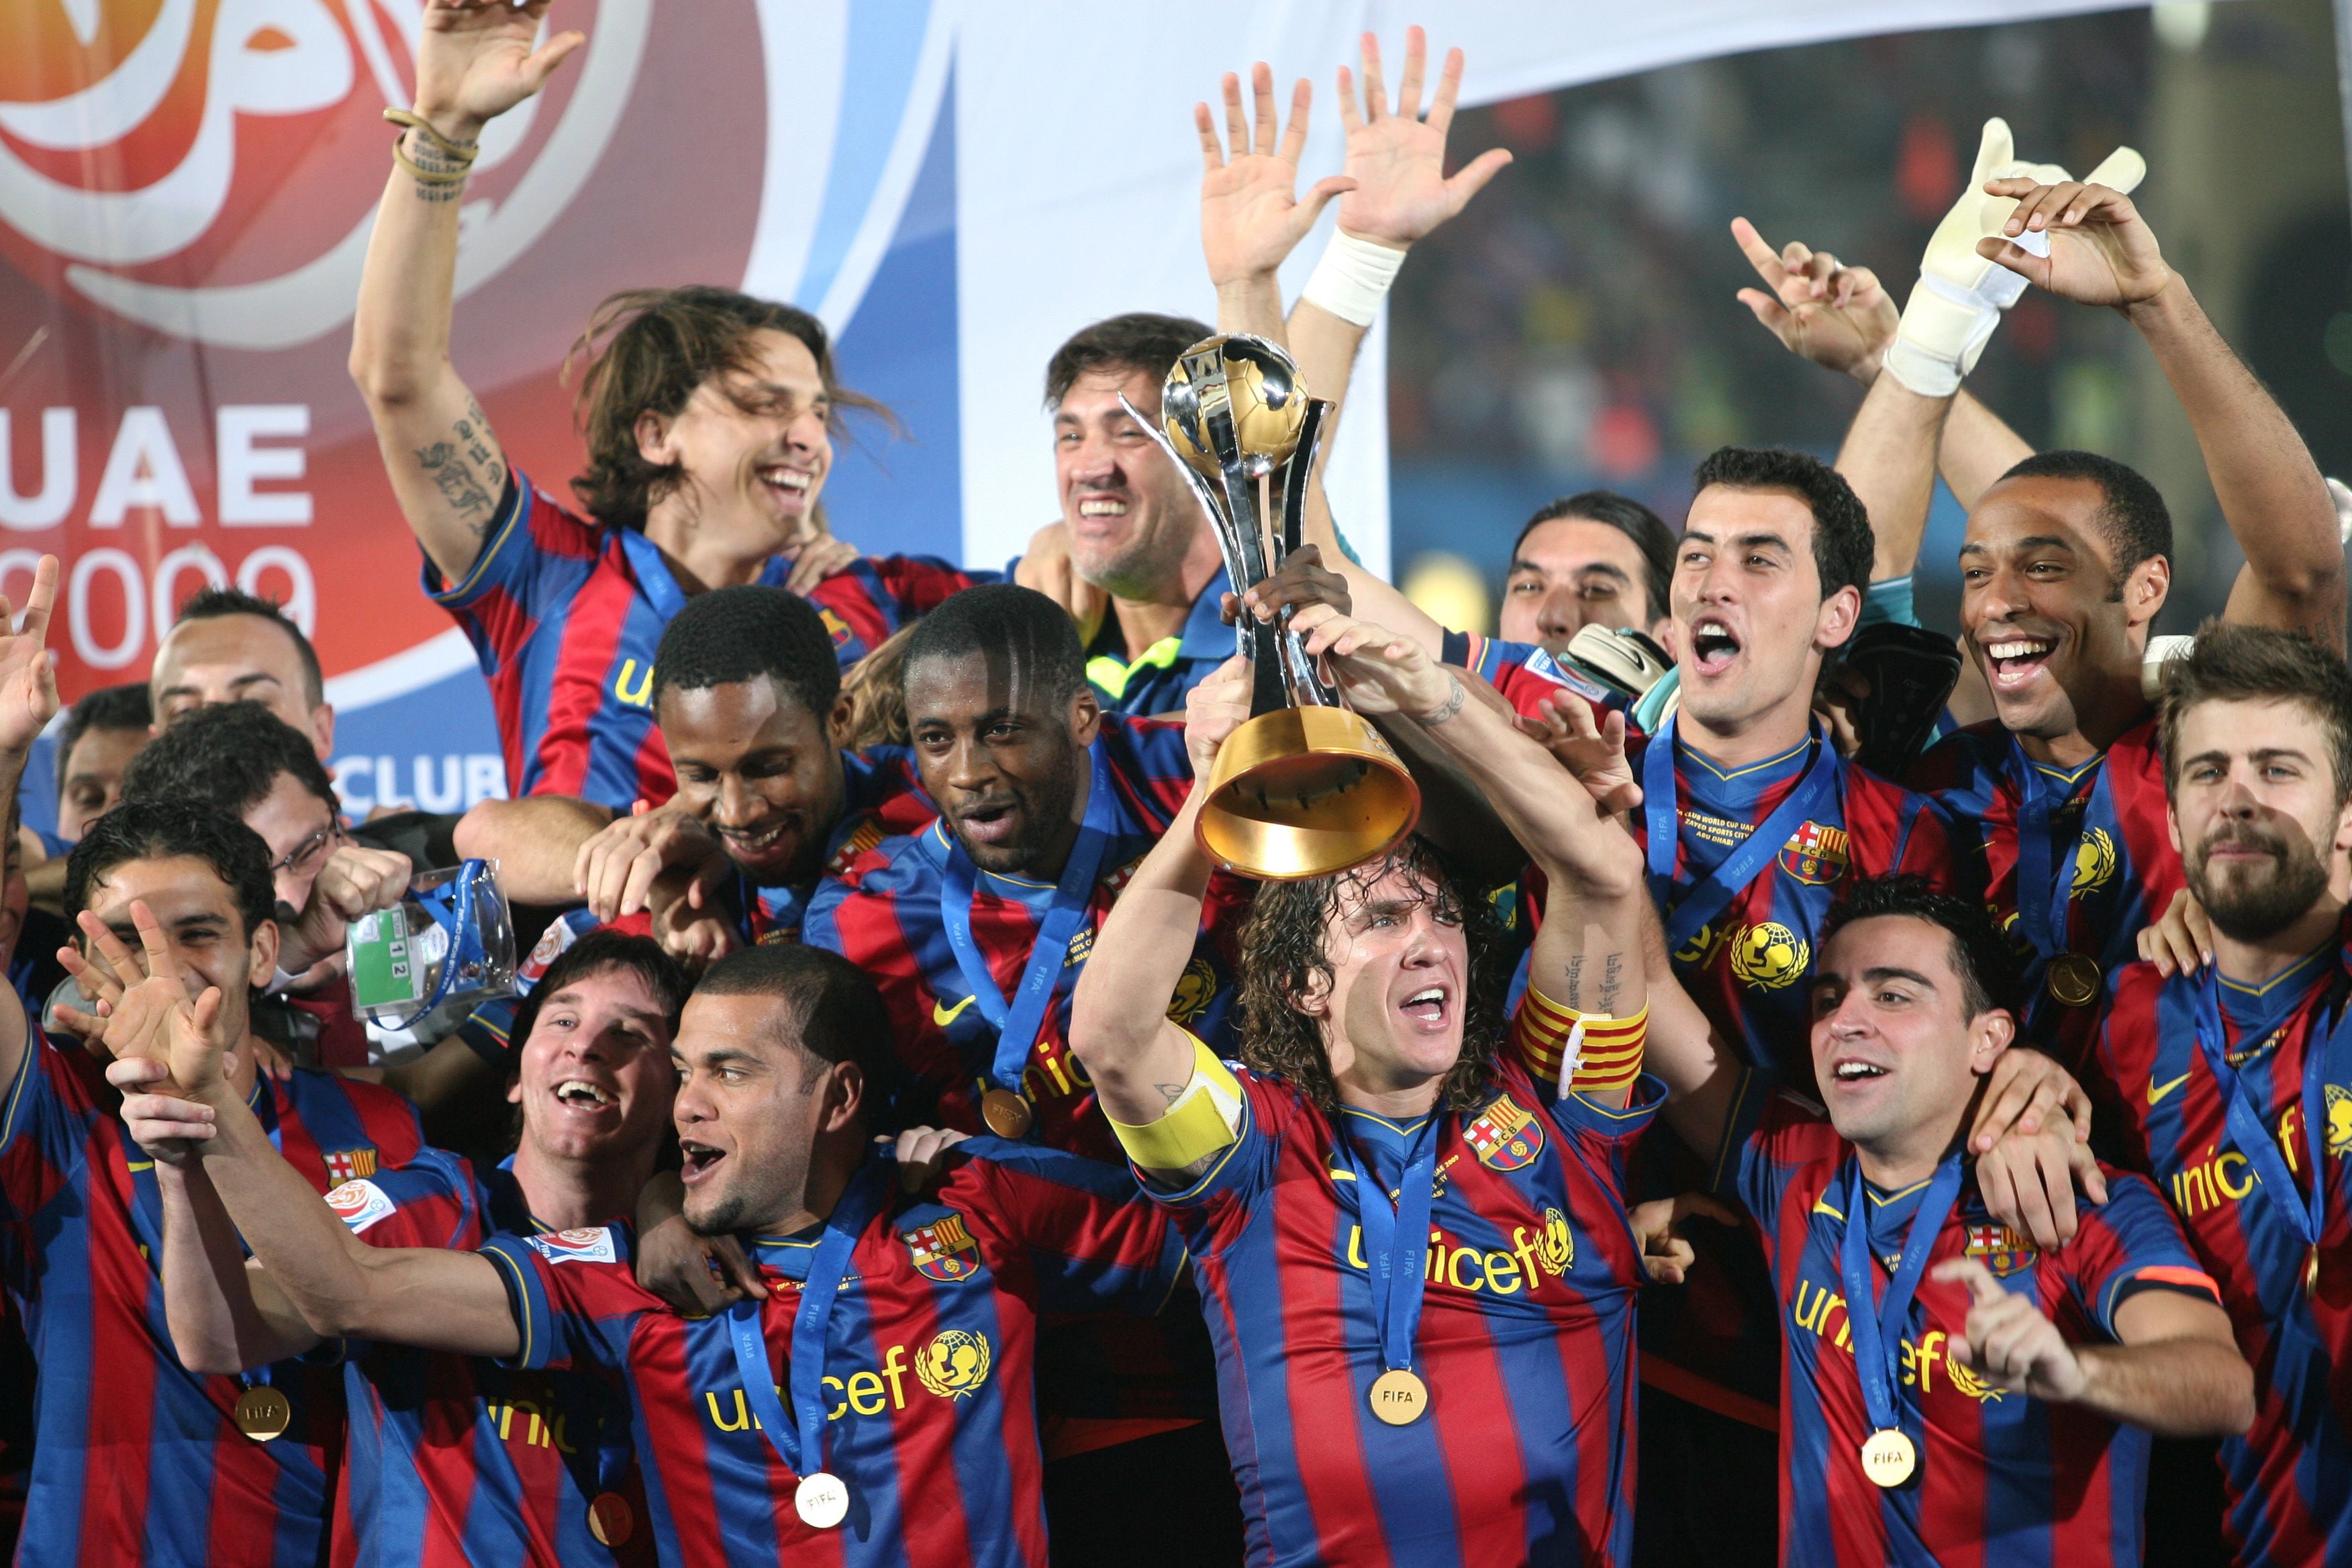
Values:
[(1256, 382)]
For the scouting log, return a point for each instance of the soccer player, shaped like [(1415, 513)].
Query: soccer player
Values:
[(103, 731), (2232, 1086), (454, 1458), (750, 702), (1415, 1263), (976, 927), (874, 1405), (709, 418), (2063, 566), (1592, 559), (1949, 1391), (229, 646), (138, 1459)]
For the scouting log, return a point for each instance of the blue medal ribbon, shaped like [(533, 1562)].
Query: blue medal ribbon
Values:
[(1017, 1021), (1396, 1239), (801, 1447), (2306, 1212), (1878, 1332), (1662, 822)]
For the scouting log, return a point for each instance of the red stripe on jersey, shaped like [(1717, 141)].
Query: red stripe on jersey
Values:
[(591, 631)]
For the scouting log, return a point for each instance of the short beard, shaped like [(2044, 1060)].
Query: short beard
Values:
[(2257, 911), (1144, 566)]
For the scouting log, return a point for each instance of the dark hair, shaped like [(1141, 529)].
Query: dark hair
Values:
[(1283, 951), (2137, 523), (836, 1014), (210, 603), (1844, 548), (167, 829), (228, 757), (2254, 664), (733, 634), (663, 344), (1139, 341), (1986, 965), (1629, 517), (1037, 634), (108, 707), (593, 954)]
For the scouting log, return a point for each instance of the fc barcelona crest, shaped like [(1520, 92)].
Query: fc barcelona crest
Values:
[(1505, 1137), (943, 1249), (2000, 1249), (1815, 853), (351, 1164)]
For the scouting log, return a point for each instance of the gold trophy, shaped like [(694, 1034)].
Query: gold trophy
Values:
[(1305, 788)]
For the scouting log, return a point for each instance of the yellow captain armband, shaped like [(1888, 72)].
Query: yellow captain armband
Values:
[(1585, 1052), (1206, 1118)]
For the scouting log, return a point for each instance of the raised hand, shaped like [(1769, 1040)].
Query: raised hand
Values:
[(1376, 670), (142, 1006), (1214, 710), (2101, 251), (1251, 216), (615, 871), (1593, 753), (1835, 315), (1396, 159), (356, 880), (29, 671), (160, 1121), (475, 60), (2008, 1342)]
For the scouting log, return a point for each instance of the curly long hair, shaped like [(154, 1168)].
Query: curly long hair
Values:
[(1284, 949)]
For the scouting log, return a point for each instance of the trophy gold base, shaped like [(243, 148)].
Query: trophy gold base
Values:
[(1306, 792)]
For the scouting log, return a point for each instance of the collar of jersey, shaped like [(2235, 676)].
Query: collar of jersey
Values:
[(1401, 1128), (789, 1256), (945, 843), (2293, 976), (1685, 749), (2070, 777)]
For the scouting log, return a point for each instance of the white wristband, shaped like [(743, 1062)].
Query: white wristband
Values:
[(1353, 277)]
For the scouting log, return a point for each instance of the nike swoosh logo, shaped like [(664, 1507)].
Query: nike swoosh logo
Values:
[(943, 1017), (2156, 1091)]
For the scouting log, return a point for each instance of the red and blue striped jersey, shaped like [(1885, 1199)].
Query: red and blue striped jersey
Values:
[(456, 1459), (2001, 1477), (1526, 1339), (883, 915), (1157, 681), (2289, 1479), (883, 797), (564, 615), (2108, 835), (929, 1356), (137, 1459), (1527, 674)]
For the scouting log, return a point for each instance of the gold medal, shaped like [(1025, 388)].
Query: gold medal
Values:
[(611, 1519), (821, 1500), (1888, 1458), (2072, 980), (2311, 1274), (263, 1413), (1399, 1397), (1006, 1113)]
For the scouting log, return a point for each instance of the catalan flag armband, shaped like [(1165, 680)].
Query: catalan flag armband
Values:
[(1206, 1118), (1585, 1052)]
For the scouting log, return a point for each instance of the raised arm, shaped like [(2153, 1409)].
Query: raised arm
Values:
[(474, 62), (1141, 1063), (28, 700), (2177, 1372), (2102, 252)]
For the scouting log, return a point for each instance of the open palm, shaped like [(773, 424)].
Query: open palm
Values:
[(1251, 216), (2102, 252), (475, 60), (1396, 158), (29, 672)]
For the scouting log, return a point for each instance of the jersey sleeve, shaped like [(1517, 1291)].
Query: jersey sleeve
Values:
[(574, 1295), (432, 1201), (45, 1124), (869, 599), (1094, 1242), (1768, 1137), (1930, 848), (2130, 1243), (1221, 1199), (535, 556)]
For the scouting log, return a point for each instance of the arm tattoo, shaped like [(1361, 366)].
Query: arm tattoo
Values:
[(1611, 979), (1576, 983), (1455, 696), (453, 477), (1172, 1092), (429, 157)]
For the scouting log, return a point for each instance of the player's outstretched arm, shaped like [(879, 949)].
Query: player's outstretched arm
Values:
[(2177, 1373), (1143, 1066), (341, 1287), (474, 62), (537, 842), (28, 700), (2102, 252)]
